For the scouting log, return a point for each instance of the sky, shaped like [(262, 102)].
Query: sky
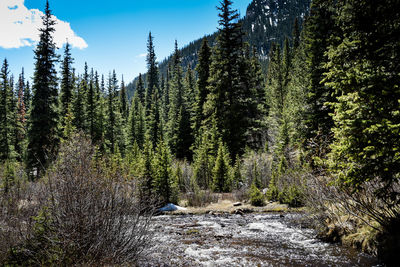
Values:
[(106, 34)]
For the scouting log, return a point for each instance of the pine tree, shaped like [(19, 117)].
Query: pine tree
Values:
[(179, 134), (140, 89), (20, 129), (203, 72), (91, 104), (43, 133), (203, 164), (166, 95), (221, 171), (5, 113), (79, 105), (110, 126), (152, 73), (319, 27), (164, 185), (67, 85), (296, 34), (136, 123), (154, 119), (190, 91), (124, 101), (276, 92), (363, 69), (229, 85), (146, 180), (27, 96), (98, 110), (257, 132)]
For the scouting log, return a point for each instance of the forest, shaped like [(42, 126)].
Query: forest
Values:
[(314, 124)]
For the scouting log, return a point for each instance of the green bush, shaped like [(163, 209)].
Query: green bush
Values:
[(273, 191), (256, 197)]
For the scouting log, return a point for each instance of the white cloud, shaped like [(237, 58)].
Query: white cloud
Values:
[(19, 27), (142, 55)]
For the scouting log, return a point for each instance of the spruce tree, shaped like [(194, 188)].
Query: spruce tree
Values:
[(43, 134), (79, 104), (364, 70), (319, 27), (67, 83), (276, 92), (164, 185), (153, 121), (257, 107), (146, 180), (136, 123), (91, 104), (221, 171), (140, 89), (229, 84), (27, 96), (152, 73), (179, 134), (20, 129), (5, 113), (203, 73), (190, 91), (110, 125), (124, 101)]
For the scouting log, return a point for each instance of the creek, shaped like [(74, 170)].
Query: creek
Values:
[(245, 240)]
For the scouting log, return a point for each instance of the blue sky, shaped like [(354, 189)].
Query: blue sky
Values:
[(108, 34)]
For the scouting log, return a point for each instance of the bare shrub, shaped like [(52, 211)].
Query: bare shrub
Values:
[(332, 201), (89, 214), (201, 198), (257, 165), (17, 207), (184, 173)]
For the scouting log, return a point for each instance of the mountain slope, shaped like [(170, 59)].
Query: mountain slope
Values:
[(266, 21)]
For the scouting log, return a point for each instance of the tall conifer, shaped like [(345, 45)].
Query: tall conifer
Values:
[(43, 134)]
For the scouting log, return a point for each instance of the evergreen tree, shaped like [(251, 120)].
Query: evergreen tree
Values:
[(364, 71), (166, 95), (203, 72), (5, 114), (203, 164), (229, 85), (91, 104), (319, 27), (27, 96), (123, 101), (20, 129), (67, 84), (110, 126), (79, 105), (190, 91), (221, 171), (180, 137), (136, 123), (146, 180), (296, 34), (164, 185), (43, 133), (276, 92), (256, 133), (140, 89), (152, 73), (154, 119)]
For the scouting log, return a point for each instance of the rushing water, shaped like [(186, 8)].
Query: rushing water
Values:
[(249, 240)]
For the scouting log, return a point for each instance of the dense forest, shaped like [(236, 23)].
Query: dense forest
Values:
[(315, 121)]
